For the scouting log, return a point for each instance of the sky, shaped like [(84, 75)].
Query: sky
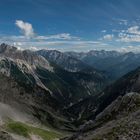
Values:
[(71, 25)]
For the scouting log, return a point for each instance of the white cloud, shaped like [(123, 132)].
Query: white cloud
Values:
[(62, 41), (33, 48), (135, 49), (62, 36), (34, 43), (103, 31), (17, 44), (26, 28), (134, 30), (123, 22), (28, 32), (130, 35), (124, 37), (108, 37)]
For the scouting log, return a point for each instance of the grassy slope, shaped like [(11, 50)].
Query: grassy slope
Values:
[(25, 130)]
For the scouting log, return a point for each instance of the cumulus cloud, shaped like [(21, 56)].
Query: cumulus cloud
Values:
[(108, 37), (103, 31), (134, 30), (124, 37), (26, 28), (132, 34), (62, 41), (28, 31)]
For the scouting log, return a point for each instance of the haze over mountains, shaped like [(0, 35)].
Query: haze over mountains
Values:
[(79, 93)]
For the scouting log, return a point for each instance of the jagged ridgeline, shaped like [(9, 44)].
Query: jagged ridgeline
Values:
[(117, 114), (47, 88), (65, 91)]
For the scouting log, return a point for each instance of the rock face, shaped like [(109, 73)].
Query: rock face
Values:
[(27, 56), (65, 61), (128, 83), (5, 136), (120, 120), (117, 113)]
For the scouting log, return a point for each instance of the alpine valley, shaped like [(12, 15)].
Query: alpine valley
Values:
[(53, 95)]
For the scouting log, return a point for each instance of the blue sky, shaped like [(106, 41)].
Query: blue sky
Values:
[(71, 25)]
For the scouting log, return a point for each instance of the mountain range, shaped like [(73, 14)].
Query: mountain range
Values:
[(117, 113), (116, 64), (86, 95)]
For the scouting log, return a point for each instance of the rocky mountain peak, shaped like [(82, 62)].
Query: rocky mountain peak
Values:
[(7, 48), (29, 57)]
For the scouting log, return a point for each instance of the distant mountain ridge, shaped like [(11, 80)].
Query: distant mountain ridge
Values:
[(94, 53), (114, 63), (65, 61)]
